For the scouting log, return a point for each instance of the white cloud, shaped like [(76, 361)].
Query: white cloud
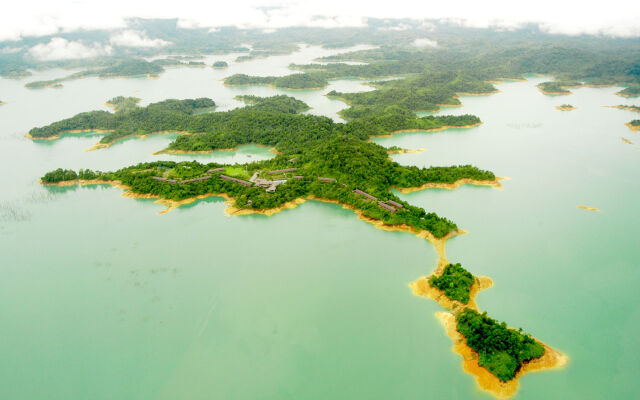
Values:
[(425, 42), (10, 49), (42, 17), (130, 38), (62, 49)]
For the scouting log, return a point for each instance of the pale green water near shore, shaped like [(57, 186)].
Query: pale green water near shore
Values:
[(101, 298)]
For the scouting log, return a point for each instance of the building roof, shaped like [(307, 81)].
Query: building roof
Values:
[(365, 194), (277, 171), (395, 204), (386, 206), (236, 180)]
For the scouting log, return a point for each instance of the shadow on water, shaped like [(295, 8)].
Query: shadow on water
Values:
[(212, 199), (61, 189)]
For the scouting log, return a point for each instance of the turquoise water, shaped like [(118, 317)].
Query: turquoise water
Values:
[(102, 298)]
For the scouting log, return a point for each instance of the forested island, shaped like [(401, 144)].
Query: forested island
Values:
[(565, 107), (558, 87), (455, 282), (125, 68), (315, 146), (495, 354), (631, 91), (634, 125), (220, 64), (502, 351), (265, 121)]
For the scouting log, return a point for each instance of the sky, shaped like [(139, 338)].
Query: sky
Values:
[(27, 18)]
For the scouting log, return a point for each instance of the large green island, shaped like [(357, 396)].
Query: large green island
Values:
[(317, 159), (321, 160)]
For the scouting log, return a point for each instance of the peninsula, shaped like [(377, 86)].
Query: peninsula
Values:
[(631, 91)]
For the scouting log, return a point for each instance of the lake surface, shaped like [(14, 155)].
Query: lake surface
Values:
[(101, 298)]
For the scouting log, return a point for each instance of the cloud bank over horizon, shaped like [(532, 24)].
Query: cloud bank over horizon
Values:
[(63, 49), (33, 18), (131, 38)]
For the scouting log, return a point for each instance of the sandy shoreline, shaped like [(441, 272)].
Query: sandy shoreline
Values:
[(450, 186), (588, 208), (407, 151), (561, 108), (100, 145), (487, 381), (442, 128), (232, 210), (621, 107), (554, 93), (422, 288), (634, 128), (625, 95), (170, 151), (72, 131)]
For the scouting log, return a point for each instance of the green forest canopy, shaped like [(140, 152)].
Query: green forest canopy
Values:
[(455, 282), (501, 350)]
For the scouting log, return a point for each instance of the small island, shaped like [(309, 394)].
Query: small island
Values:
[(631, 91), (399, 150), (634, 125), (455, 282), (220, 65), (493, 353), (558, 88), (565, 107)]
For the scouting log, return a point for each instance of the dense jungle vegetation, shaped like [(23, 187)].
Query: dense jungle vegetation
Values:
[(455, 282), (501, 350)]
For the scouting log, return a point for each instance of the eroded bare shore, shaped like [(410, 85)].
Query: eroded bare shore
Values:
[(588, 208), (450, 186), (486, 381), (407, 151), (634, 128)]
